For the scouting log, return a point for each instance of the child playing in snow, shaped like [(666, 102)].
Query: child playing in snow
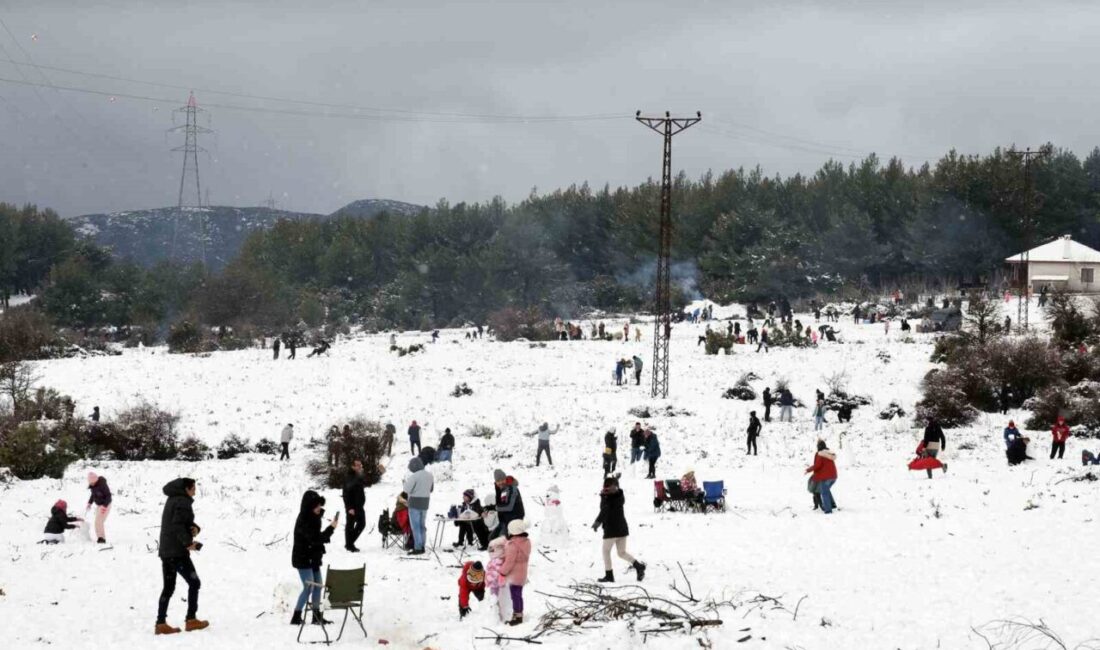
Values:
[(470, 581), (496, 581), (60, 521), (517, 553)]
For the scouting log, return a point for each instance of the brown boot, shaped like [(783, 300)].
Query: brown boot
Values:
[(164, 628), (193, 624), (517, 619)]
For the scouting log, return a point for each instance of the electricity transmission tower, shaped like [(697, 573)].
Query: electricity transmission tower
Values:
[(1027, 216), (667, 126), (190, 149)]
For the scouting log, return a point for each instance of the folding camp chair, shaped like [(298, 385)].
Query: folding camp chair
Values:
[(344, 590), (714, 494), (677, 501), (392, 535)]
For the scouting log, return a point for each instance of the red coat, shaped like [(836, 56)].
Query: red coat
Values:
[(1060, 432), (465, 587), (824, 467), (402, 518)]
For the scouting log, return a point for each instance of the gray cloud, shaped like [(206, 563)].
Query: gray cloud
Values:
[(782, 86)]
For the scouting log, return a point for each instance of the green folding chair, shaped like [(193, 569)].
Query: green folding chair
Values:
[(344, 590)]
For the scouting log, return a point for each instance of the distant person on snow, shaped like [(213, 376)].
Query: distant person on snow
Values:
[(637, 442), (822, 477), (819, 414), (275, 347), (100, 498), (445, 448), (1017, 451), (786, 405), (292, 343), (544, 432), (284, 440), (414, 438), (1059, 434), (60, 521), (419, 485), (615, 530), (95, 414), (652, 452), (355, 500), (620, 368), (387, 438), (177, 539), (509, 501), (308, 552), (471, 580), (934, 440), (753, 433), (517, 553), (1011, 433), (763, 340), (768, 401), (637, 370), (610, 453), (320, 349)]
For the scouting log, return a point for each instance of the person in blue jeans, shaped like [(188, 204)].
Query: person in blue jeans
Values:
[(823, 473), (637, 442), (418, 485), (308, 552)]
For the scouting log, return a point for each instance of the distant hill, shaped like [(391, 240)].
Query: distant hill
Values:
[(146, 237)]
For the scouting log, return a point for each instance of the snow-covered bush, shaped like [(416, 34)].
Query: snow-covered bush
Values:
[(482, 431), (266, 446), (31, 451), (144, 432), (1069, 327), (45, 404), (461, 390), (26, 334), (945, 399), (185, 337), (741, 390), (717, 341), (510, 323), (1079, 404), (233, 446), (332, 460), (892, 411), (192, 449)]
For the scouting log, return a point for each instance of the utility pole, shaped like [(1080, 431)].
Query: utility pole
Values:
[(190, 149), (667, 126), (1027, 217)]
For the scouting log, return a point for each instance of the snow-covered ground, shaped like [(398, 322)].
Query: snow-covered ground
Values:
[(906, 562)]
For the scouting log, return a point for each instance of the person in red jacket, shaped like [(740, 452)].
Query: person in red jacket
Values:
[(1059, 434), (823, 473), (470, 581)]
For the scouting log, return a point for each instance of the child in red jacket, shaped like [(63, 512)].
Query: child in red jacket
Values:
[(470, 581), (1059, 434), (823, 474)]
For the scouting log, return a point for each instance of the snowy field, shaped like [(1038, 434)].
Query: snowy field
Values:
[(906, 562)]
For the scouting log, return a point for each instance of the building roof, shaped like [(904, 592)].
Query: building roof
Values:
[(1062, 249)]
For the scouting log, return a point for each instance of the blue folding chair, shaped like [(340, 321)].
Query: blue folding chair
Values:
[(714, 494)]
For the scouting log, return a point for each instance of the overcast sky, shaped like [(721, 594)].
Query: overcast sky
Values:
[(783, 85)]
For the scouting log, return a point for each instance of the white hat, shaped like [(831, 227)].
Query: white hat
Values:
[(517, 527)]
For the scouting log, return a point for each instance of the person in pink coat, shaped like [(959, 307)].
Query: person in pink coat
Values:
[(517, 553)]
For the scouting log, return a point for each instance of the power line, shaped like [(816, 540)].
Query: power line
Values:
[(353, 107)]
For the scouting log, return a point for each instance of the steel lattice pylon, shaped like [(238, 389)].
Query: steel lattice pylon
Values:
[(667, 126), (190, 149)]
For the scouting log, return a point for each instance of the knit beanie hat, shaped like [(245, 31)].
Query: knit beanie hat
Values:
[(92, 477), (517, 527), (61, 504), (476, 574), (499, 475), (469, 494)]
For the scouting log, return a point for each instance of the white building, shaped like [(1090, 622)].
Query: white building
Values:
[(1058, 264)]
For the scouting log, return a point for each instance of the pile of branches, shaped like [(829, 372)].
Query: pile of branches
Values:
[(587, 604), (1023, 634)]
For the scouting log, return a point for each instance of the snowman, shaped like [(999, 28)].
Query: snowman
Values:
[(554, 529)]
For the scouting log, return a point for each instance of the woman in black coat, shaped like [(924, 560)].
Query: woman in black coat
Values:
[(615, 530), (308, 551)]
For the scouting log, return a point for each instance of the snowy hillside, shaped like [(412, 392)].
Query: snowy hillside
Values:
[(906, 562)]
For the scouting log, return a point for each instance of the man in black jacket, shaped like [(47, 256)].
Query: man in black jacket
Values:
[(753, 431), (354, 501), (637, 442), (768, 401), (177, 540)]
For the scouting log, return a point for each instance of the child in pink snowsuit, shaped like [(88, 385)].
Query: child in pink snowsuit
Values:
[(495, 581)]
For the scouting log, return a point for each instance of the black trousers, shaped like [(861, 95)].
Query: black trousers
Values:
[(170, 567), (544, 446), (286, 451), (751, 447), (414, 447), (354, 526), (767, 412), (652, 468), (609, 462), (1059, 447), (468, 530)]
